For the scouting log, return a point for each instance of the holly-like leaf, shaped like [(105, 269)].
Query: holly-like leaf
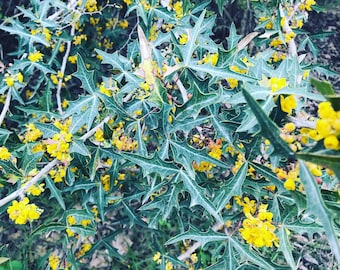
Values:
[(55, 192), (9, 167), (152, 165), (202, 237), (50, 227), (233, 187), (247, 254), (198, 197), (84, 75), (197, 102), (285, 247), (233, 37), (316, 206), (83, 112)]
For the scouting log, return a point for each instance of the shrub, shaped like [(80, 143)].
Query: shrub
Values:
[(135, 136)]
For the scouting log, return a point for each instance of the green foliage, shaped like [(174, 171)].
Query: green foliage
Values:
[(131, 138)]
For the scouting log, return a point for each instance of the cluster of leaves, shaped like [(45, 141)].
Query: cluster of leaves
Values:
[(126, 120)]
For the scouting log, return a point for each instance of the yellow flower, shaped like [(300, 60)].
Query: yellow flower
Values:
[(123, 24), (168, 266), (104, 90), (277, 84), (289, 127), (332, 142), (183, 39), (36, 190), (85, 247), (128, 2), (157, 257), (22, 212), (35, 57), (289, 184), (211, 58), (71, 220), (288, 103), (233, 83), (4, 153), (72, 59), (53, 261), (59, 146), (99, 135)]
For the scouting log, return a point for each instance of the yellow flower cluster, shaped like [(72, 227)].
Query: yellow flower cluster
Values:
[(10, 79), (123, 24), (121, 141), (105, 90), (269, 25), (153, 34), (307, 5), (289, 136), (258, 230), (328, 126), (277, 56), (22, 212), (35, 57), (215, 151), (211, 58), (43, 31), (85, 247), (72, 59), (58, 174), (77, 40), (233, 83), (53, 261), (91, 5), (178, 8), (157, 258), (32, 133), (59, 145), (105, 179), (4, 153)]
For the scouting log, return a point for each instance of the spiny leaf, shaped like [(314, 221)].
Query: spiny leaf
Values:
[(51, 227), (202, 237), (197, 102), (316, 205), (286, 247), (55, 192), (184, 151), (152, 165), (221, 73), (198, 197), (268, 127), (84, 75), (233, 187), (246, 253), (9, 167), (189, 48)]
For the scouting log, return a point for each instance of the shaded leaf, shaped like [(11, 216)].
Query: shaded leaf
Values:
[(194, 234), (55, 192), (316, 206)]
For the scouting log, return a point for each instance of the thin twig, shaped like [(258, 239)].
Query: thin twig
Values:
[(63, 68), (93, 130), (33, 181), (6, 107), (181, 88)]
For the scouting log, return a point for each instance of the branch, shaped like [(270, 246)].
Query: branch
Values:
[(47, 168), (6, 106), (63, 68), (33, 181)]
